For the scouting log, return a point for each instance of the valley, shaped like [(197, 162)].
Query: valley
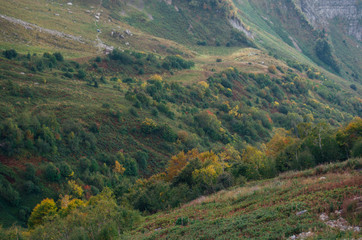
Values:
[(185, 119)]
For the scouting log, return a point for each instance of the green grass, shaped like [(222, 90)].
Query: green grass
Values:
[(263, 210)]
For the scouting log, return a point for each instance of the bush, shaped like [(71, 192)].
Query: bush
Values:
[(81, 74), (182, 221), (324, 53), (58, 56), (30, 172), (8, 193), (225, 180), (357, 149), (149, 126), (65, 170), (353, 86), (68, 75), (52, 173), (141, 158), (167, 133), (10, 54), (272, 69), (123, 57)]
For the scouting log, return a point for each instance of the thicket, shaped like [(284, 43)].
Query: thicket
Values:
[(324, 53)]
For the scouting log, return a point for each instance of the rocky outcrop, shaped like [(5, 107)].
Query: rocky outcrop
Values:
[(236, 23), (320, 12)]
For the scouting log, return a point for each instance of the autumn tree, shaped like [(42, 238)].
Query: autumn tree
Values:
[(349, 135), (178, 162), (278, 143), (46, 208)]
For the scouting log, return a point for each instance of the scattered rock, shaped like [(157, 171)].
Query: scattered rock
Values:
[(158, 229), (322, 178), (116, 34), (127, 43), (128, 32), (301, 212), (340, 223), (338, 212), (70, 4), (302, 235), (324, 217), (41, 29)]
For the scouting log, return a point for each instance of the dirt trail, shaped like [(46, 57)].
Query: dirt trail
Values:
[(100, 44), (32, 26)]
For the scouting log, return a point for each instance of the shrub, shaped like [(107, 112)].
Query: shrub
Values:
[(81, 74), (225, 180), (10, 54), (123, 57), (30, 171), (167, 133), (142, 158), (272, 69), (52, 173), (182, 221), (353, 86), (58, 56), (149, 126), (128, 80), (65, 170), (357, 149), (68, 75), (324, 53), (8, 192)]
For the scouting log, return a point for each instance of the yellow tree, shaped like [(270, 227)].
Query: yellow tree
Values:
[(178, 162), (349, 135), (46, 208), (278, 143), (254, 157), (118, 168), (75, 188)]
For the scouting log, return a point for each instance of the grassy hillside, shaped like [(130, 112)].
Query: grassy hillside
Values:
[(290, 205), (281, 28)]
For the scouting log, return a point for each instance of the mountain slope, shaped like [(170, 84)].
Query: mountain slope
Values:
[(107, 93), (295, 205)]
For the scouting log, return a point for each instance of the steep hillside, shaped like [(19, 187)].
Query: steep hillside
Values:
[(320, 14), (288, 28), (321, 203), (161, 102)]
